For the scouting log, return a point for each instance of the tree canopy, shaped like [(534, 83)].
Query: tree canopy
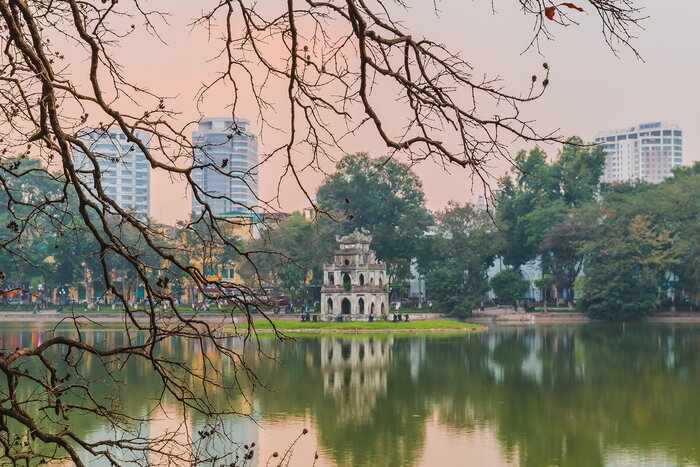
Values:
[(537, 208), (456, 256), (509, 286), (383, 197)]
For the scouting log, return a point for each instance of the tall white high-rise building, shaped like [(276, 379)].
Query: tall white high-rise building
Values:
[(125, 173), (230, 189), (644, 152)]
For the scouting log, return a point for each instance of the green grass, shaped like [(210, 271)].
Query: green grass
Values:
[(363, 334), (364, 325)]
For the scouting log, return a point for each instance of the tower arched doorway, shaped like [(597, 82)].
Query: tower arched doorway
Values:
[(345, 306), (361, 306), (329, 305)]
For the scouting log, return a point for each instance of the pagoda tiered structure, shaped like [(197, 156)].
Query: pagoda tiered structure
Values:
[(355, 284)]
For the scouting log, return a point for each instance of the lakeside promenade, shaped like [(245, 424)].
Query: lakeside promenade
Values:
[(489, 316)]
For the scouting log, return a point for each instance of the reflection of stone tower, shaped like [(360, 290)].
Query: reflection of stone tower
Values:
[(355, 284), (355, 372)]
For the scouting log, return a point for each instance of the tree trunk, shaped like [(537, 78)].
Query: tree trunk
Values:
[(544, 300), (571, 299)]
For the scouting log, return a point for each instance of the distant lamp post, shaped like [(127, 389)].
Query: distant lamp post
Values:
[(61, 298)]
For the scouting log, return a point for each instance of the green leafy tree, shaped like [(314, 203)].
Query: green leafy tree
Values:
[(535, 204), (289, 253), (543, 284), (385, 198), (509, 286), (645, 236), (457, 258), (43, 246), (624, 265)]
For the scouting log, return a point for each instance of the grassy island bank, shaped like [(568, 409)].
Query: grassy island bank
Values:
[(364, 326)]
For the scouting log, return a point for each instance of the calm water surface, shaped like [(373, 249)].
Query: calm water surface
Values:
[(565, 395)]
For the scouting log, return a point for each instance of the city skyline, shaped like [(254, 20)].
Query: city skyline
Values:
[(231, 143), (590, 89)]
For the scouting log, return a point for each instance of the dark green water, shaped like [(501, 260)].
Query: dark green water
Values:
[(565, 395)]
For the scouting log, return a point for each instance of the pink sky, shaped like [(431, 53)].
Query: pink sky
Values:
[(590, 88)]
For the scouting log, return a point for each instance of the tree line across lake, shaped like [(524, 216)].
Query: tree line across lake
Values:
[(614, 251)]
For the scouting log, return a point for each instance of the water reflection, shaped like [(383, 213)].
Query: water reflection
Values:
[(355, 374), (579, 395), (531, 396)]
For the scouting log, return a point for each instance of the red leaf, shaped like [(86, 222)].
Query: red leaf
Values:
[(571, 5), (549, 12)]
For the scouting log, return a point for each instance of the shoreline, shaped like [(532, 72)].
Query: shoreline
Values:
[(372, 331), (488, 318)]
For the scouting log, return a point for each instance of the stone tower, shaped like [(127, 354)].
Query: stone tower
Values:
[(355, 284)]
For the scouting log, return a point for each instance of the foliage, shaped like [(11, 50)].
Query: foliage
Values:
[(643, 237), (543, 284), (539, 208), (447, 286), (614, 289), (287, 253), (509, 286), (385, 198), (456, 258)]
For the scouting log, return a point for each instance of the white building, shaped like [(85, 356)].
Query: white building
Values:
[(227, 154), (644, 152), (124, 170), (355, 284)]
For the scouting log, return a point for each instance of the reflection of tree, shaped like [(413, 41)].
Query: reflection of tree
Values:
[(565, 395), (391, 433), (130, 387), (560, 395), (572, 395)]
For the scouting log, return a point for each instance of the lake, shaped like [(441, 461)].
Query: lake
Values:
[(557, 395)]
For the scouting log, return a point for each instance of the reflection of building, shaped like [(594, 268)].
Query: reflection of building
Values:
[(645, 152), (355, 284), (355, 373)]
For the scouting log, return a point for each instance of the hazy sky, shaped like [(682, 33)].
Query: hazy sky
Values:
[(591, 89)]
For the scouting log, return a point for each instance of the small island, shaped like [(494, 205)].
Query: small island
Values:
[(364, 326)]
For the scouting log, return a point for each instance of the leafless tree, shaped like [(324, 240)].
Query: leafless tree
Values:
[(339, 58)]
